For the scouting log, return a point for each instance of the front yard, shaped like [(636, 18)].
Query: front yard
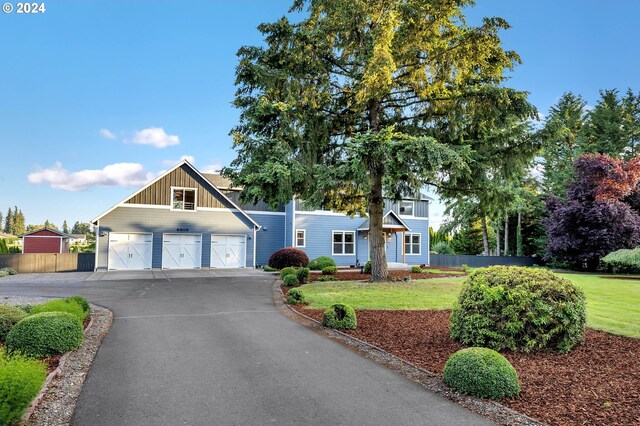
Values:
[(598, 382)]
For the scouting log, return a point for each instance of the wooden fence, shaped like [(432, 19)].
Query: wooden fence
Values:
[(451, 260), (48, 262)]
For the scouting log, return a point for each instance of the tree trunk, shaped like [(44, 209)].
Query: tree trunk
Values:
[(377, 243), (485, 236), (506, 234), (519, 250), (497, 240)]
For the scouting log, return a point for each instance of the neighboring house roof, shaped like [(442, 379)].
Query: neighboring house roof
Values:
[(389, 221), (78, 236), (219, 181), (3, 235), (183, 162), (62, 234)]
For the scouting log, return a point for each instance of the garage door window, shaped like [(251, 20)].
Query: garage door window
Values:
[(183, 198)]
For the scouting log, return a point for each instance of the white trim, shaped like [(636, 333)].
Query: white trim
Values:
[(95, 261), (254, 248), (304, 238), (413, 207), (343, 232), (43, 236), (324, 213), (293, 222), (265, 212), (410, 235), (412, 217), (195, 198), (397, 217), (145, 206), (60, 249), (180, 233)]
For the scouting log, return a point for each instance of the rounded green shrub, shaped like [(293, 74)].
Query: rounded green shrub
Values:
[(269, 269), (290, 280), (20, 381), (46, 334), (481, 372), (86, 308), (9, 316), (321, 262), (329, 270), (367, 267), (288, 256), (287, 271), (303, 275), (3, 273), (416, 270), (624, 260), (521, 309), (340, 316), (295, 296), (9, 270), (61, 305), (326, 278)]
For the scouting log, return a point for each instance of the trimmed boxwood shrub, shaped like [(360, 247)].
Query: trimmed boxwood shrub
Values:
[(303, 275), (481, 372), (287, 271), (521, 309), (321, 262), (295, 296), (290, 280), (20, 381), (288, 256), (416, 270), (86, 308), (9, 316), (46, 334), (61, 305), (329, 270), (367, 267), (269, 269), (625, 260), (340, 316)]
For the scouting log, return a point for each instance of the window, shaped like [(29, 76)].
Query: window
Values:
[(344, 242), (412, 243), (406, 208), (301, 238), (183, 199)]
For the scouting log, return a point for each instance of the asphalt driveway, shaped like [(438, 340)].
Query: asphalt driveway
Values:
[(215, 351)]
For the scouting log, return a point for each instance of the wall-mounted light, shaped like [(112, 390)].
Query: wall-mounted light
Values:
[(103, 234)]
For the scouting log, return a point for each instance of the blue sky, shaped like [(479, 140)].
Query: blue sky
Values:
[(98, 96)]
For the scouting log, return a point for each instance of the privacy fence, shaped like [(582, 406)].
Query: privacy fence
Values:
[(48, 262), (451, 260)]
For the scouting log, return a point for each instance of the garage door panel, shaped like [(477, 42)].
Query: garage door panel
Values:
[(130, 251), (181, 251), (228, 251)]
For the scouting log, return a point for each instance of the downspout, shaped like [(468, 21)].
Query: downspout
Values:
[(293, 222), (254, 247)]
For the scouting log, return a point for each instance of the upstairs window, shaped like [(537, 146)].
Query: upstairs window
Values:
[(406, 208), (344, 242), (183, 199), (301, 238)]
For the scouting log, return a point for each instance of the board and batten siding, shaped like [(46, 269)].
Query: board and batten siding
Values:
[(421, 207), (159, 193), (130, 219)]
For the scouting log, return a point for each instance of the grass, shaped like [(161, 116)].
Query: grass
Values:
[(613, 305)]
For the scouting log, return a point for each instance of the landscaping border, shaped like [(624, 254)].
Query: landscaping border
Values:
[(55, 404), (495, 411)]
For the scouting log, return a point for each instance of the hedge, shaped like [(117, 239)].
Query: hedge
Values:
[(625, 260), (46, 334)]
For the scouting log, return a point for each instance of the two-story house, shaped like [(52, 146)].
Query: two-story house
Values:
[(185, 219)]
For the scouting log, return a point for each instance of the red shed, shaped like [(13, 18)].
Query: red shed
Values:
[(45, 241)]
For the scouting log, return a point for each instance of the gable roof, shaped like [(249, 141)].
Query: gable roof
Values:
[(185, 163), (389, 221), (62, 234)]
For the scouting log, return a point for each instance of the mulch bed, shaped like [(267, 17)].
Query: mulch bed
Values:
[(598, 382)]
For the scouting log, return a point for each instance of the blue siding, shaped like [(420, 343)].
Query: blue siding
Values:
[(421, 227), (289, 224), (270, 239)]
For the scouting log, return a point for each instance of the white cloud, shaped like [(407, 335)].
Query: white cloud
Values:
[(212, 168), (171, 163), (107, 134), (128, 175), (155, 136)]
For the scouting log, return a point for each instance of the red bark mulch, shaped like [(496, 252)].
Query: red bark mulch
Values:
[(51, 362), (597, 383)]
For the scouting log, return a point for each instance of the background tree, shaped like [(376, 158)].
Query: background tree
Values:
[(81, 228), (65, 227), (596, 217), (468, 239), (8, 222), (364, 99)]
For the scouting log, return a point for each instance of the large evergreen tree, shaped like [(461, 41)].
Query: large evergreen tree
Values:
[(364, 100), (8, 221), (65, 227)]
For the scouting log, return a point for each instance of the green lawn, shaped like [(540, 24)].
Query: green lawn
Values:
[(613, 305)]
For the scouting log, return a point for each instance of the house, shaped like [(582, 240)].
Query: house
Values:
[(185, 219), (45, 240), (78, 239)]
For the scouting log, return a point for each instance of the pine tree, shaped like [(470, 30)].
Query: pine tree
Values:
[(8, 222), (18, 222), (65, 227)]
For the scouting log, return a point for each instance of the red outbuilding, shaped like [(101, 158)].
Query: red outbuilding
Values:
[(45, 241)]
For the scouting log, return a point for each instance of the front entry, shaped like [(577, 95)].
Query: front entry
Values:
[(181, 251), (228, 251)]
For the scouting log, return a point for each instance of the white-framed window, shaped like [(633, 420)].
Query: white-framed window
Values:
[(407, 207), (183, 198), (301, 238), (343, 243), (412, 243)]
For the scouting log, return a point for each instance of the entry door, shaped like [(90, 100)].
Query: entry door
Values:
[(130, 251), (181, 251), (228, 251)]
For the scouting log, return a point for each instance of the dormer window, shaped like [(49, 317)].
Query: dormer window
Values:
[(183, 199), (406, 208)]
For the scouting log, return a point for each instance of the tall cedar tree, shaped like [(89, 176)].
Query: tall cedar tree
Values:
[(597, 217), (361, 100)]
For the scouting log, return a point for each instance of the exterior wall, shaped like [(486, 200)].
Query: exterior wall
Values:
[(420, 226), (319, 227), (270, 237), (290, 213), (159, 220), (43, 244)]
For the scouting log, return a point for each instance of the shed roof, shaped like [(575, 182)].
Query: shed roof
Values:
[(55, 231)]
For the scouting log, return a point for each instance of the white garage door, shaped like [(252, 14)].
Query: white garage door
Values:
[(130, 251), (180, 251), (228, 251)]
